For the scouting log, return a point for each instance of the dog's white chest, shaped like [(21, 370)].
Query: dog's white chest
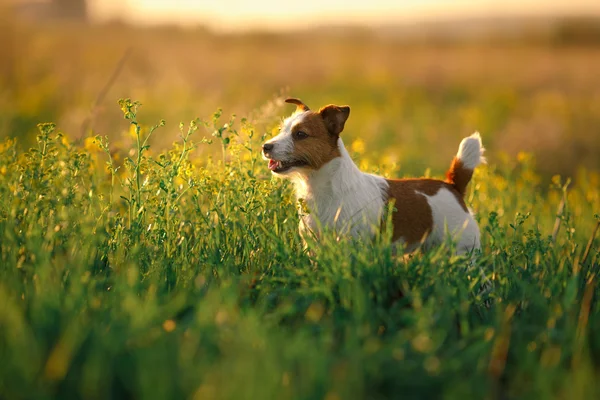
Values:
[(340, 198), (352, 211)]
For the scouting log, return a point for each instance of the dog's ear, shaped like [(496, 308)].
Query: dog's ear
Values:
[(300, 106), (335, 117)]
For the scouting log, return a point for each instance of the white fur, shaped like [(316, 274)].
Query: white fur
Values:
[(449, 218), (470, 151), (341, 197), (284, 143)]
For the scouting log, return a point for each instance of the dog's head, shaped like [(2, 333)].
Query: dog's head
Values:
[(307, 139)]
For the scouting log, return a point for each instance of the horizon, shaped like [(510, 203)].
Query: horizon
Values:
[(270, 15)]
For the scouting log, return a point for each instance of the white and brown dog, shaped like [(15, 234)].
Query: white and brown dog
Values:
[(339, 196)]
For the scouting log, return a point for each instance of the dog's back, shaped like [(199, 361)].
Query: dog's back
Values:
[(426, 210)]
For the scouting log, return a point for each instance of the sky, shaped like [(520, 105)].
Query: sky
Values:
[(291, 14)]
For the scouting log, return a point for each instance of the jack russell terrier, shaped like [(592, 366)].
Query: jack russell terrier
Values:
[(309, 151)]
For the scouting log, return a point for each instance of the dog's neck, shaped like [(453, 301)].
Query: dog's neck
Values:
[(336, 178), (341, 196)]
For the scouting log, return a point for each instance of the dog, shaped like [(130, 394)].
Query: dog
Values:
[(334, 194)]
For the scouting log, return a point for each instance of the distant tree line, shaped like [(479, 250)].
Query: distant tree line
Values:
[(72, 9), (52, 9), (577, 31)]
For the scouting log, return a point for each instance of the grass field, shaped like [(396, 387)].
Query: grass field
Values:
[(146, 261), (162, 276), (410, 102)]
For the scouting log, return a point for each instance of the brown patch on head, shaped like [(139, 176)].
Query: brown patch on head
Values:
[(458, 176), (312, 141), (412, 217), (316, 136)]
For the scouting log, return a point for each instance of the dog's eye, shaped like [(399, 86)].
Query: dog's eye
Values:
[(299, 135)]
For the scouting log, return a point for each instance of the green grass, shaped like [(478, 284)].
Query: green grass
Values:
[(179, 275)]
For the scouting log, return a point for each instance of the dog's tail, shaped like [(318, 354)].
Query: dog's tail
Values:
[(469, 156)]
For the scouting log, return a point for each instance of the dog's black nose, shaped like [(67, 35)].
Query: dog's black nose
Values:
[(268, 146)]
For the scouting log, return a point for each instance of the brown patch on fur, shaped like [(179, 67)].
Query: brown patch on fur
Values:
[(323, 129), (458, 176), (412, 217), (320, 146)]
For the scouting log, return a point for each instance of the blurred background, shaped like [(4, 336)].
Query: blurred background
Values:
[(418, 74)]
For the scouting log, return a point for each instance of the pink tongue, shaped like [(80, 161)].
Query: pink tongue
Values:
[(272, 165)]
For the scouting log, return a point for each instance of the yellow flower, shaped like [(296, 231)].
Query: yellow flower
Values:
[(179, 181), (358, 146), (6, 145), (65, 141), (133, 131), (90, 145), (169, 325), (524, 156)]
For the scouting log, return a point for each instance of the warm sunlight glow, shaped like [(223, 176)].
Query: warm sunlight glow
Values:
[(275, 14)]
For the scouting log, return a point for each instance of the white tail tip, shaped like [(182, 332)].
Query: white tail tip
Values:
[(470, 151)]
